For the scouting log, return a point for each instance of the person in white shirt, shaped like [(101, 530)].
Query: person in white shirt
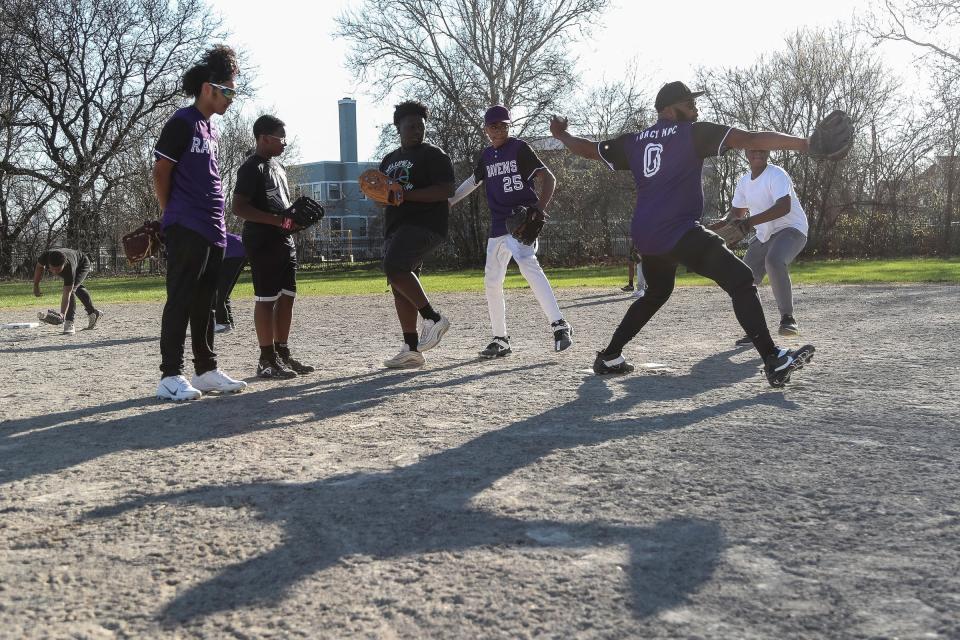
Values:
[(766, 198)]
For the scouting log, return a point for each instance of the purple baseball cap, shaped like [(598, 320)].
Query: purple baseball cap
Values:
[(495, 114)]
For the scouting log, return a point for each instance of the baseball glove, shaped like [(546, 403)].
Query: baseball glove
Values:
[(733, 231), (143, 242), (525, 223), (379, 188), (832, 137), (303, 213), (50, 316)]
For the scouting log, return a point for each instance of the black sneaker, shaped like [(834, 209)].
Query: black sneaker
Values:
[(562, 335), (616, 366), (628, 287), (744, 341), (298, 367), (274, 369), (779, 366), (788, 326), (497, 349)]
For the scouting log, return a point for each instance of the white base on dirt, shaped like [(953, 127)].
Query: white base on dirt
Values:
[(20, 325)]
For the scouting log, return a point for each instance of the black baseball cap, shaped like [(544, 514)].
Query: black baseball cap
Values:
[(674, 92)]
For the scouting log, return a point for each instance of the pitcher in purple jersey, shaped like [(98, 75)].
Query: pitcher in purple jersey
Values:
[(666, 160), (512, 175), (186, 179)]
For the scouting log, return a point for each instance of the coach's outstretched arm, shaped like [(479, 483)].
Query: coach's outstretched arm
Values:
[(578, 146), (766, 141)]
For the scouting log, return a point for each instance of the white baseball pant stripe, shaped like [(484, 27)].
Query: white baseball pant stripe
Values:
[(499, 252)]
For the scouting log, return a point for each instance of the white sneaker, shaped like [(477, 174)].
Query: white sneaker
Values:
[(94, 318), (177, 388), (639, 293), (68, 327), (432, 332), (406, 359), (217, 381), (222, 328)]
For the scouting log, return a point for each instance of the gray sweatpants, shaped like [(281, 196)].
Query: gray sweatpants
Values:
[(773, 258)]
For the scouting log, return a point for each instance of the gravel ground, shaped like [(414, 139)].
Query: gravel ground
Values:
[(516, 498)]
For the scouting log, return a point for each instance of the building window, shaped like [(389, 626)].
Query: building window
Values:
[(318, 192), (336, 225), (334, 190)]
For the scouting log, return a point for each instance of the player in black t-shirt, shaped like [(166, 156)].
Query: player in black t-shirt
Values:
[(414, 229), (666, 160), (260, 197), (73, 266)]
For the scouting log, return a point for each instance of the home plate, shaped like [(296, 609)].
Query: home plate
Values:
[(20, 325), (653, 366)]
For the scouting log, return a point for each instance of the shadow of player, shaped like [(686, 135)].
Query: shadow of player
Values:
[(429, 506)]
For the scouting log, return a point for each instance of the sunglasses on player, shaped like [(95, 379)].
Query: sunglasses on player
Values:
[(227, 92)]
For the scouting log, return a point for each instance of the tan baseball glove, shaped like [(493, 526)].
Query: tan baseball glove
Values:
[(379, 188)]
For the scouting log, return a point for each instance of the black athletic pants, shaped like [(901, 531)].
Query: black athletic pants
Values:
[(193, 265), (80, 291), (704, 253), (230, 271)]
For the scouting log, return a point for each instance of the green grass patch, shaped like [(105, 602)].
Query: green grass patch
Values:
[(359, 281)]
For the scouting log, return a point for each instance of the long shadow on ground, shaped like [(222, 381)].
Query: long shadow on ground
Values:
[(56, 441), (427, 506)]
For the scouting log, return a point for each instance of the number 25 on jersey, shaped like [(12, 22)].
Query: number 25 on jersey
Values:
[(512, 183)]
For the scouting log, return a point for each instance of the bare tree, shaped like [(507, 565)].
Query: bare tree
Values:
[(931, 25), (97, 75)]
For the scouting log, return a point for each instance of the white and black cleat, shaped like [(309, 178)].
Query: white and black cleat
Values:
[(498, 348), (782, 364)]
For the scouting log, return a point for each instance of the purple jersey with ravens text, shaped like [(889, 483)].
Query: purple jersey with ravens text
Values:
[(507, 172), (667, 165), (196, 193)]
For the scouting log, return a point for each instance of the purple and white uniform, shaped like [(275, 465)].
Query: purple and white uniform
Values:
[(507, 173), (666, 160), (196, 195)]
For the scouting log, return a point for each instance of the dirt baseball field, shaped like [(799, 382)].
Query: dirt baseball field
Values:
[(517, 498)]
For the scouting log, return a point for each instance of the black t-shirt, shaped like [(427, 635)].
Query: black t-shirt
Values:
[(73, 263), (264, 181), (422, 166)]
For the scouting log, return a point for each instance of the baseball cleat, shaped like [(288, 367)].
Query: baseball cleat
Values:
[(780, 365), (94, 318), (640, 292), (222, 328), (788, 326), (275, 368), (617, 365), (297, 366), (432, 332), (562, 335), (627, 288), (406, 359), (217, 381), (177, 388), (68, 327), (744, 341), (497, 349)]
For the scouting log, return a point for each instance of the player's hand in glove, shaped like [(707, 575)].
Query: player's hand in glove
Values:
[(50, 316), (525, 223), (733, 231), (379, 188), (303, 213), (832, 137)]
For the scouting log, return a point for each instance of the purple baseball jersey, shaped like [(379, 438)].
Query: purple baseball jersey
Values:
[(196, 193), (507, 174), (667, 165)]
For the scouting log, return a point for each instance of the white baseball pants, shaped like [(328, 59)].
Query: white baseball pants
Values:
[(499, 252)]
